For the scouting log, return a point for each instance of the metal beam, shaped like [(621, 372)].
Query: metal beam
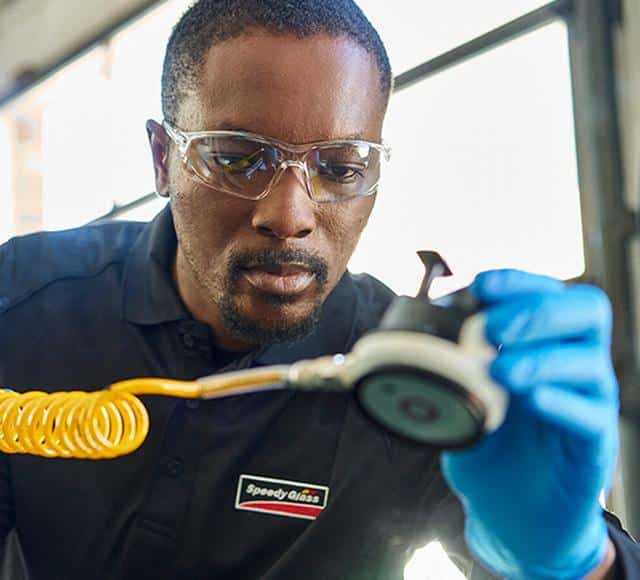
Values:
[(492, 39), (610, 226), (118, 210)]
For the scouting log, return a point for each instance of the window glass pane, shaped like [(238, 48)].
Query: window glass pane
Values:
[(94, 150), (136, 56), (417, 31), (77, 175), (483, 170), (94, 144), (432, 563)]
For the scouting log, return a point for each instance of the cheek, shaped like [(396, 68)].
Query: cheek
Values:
[(206, 222), (344, 224)]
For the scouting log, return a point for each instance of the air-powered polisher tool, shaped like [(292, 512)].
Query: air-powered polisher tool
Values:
[(423, 372)]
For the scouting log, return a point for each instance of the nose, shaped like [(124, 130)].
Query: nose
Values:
[(287, 211)]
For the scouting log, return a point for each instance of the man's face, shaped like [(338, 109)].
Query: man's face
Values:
[(265, 267)]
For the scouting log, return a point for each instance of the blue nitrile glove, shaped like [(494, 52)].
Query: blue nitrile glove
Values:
[(530, 490)]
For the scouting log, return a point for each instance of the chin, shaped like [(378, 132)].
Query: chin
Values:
[(277, 321)]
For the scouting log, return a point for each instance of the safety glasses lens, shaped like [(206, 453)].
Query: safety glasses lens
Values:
[(247, 167), (343, 171), (234, 164)]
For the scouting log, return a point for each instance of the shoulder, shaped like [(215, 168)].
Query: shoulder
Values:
[(30, 263), (372, 290), (372, 299)]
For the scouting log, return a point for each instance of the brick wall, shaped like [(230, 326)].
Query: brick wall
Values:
[(27, 173), (33, 35)]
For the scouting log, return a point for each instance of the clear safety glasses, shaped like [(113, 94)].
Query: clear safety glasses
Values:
[(248, 165)]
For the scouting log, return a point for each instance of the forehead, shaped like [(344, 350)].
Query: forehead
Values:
[(294, 89)]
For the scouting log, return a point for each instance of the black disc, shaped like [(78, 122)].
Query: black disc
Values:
[(422, 406)]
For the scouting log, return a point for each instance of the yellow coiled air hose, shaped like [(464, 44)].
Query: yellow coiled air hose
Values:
[(110, 422)]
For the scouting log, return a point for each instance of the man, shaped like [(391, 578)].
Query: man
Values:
[(270, 157)]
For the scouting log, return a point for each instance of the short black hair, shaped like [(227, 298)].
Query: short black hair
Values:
[(208, 22)]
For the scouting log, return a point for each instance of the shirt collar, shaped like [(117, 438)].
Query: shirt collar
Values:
[(150, 297), (149, 293)]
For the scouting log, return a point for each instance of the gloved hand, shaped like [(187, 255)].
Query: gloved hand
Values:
[(530, 490)]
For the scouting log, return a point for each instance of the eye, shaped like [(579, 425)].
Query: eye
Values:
[(235, 163), (341, 172)]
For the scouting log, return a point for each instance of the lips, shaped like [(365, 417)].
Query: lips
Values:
[(284, 279)]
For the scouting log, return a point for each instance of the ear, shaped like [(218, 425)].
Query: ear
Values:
[(159, 143)]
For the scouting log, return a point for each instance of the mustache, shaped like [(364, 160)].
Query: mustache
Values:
[(271, 257)]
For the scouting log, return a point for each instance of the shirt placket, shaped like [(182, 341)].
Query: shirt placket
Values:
[(154, 538)]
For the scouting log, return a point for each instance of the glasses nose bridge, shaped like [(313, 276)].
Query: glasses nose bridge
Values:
[(285, 164), (290, 154)]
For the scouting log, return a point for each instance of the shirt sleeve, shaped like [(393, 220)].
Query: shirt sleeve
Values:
[(7, 512), (627, 550)]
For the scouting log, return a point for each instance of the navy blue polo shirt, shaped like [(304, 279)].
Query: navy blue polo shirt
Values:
[(272, 485)]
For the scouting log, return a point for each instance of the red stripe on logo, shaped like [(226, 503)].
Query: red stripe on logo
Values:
[(284, 508)]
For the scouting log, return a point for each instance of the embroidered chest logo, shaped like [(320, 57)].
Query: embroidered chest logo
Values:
[(281, 497)]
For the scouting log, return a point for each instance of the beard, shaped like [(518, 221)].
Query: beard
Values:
[(260, 331)]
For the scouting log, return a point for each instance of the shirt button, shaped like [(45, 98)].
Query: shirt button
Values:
[(173, 467), (193, 404), (189, 341)]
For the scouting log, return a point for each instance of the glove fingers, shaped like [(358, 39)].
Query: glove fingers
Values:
[(585, 368), (581, 415), (589, 450), (576, 313), (499, 285)]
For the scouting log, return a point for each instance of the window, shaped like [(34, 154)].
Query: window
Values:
[(431, 563), (434, 28), (88, 143), (483, 170)]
